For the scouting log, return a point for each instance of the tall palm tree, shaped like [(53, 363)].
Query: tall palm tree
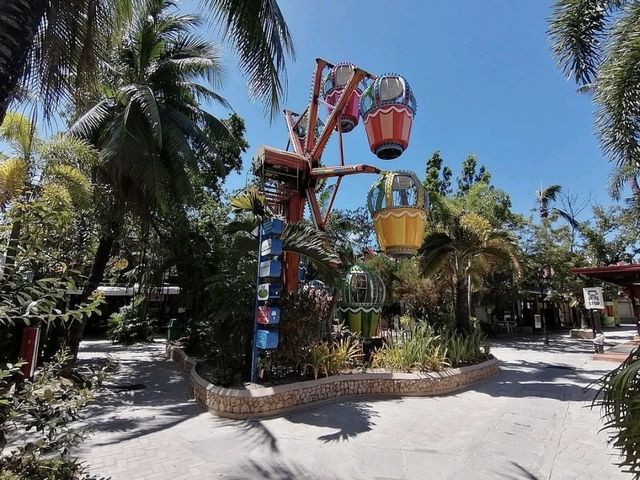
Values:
[(544, 197), (465, 248), (149, 127), (56, 46)]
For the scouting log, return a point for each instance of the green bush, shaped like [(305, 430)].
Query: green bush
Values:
[(422, 351), (466, 348), (131, 324), (39, 415), (426, 350)]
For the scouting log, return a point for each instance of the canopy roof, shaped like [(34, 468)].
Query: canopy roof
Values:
[(624, 275)]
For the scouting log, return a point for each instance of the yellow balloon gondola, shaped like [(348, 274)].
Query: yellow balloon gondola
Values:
[(399, 204)]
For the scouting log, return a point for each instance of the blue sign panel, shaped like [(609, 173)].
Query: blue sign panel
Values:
[(270, 268), (272, 228), (271, 248), (266, 339)]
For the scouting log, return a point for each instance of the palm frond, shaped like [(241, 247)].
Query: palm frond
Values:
[(13, 177), (436, 249), (620, 404), (617, 91), (250, 200), (304, 239), (577, 31), (262, 41), (19, 132)]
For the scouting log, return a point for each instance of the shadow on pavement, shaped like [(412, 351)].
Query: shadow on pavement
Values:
[(350, 418)]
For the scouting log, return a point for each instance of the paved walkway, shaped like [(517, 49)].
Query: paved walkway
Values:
[(532, 421)]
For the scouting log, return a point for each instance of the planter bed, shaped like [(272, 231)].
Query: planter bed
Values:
[(268, 401)]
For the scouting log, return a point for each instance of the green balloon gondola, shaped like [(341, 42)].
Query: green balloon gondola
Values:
[(362, 295)]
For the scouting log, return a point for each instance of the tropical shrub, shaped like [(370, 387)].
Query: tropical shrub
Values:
[(36, 418), (465, 348), (620, 402), (303, 323), (131, 323), (424, 350)]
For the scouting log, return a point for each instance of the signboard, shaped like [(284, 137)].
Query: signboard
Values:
[(271, 247), (593, 298), (269, 291), (270, 268), (268, 315), (267, 339), (537, 321)]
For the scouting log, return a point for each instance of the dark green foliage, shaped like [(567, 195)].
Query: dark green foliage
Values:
[(620, 402), (39, 415), (471, 175), (306, 320), (131, 324)]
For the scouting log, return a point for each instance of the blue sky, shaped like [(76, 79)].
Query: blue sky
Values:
[(484, 79)]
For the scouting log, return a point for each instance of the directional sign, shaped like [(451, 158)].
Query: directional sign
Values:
[(272, 228), (593, 298), (269, 291), (270, 268), (271, 247), (266, 339), (268, 315)]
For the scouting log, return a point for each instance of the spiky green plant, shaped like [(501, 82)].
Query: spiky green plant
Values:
[(620, 403)]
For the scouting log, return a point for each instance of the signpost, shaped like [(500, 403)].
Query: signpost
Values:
[(594, 302), (268, 291)]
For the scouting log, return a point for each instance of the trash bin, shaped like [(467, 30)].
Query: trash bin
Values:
[(175, 329)]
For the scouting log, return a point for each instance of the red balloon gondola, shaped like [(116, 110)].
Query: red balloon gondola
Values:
[(387, 108)]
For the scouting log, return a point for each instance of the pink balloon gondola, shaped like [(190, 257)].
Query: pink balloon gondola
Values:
[(332, 88), (387, 108)]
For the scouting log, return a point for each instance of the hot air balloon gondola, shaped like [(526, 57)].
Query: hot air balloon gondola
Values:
[(387, 107), (399, 203), (362, 296)]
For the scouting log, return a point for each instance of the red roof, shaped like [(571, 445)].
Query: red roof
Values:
[(624, 275)]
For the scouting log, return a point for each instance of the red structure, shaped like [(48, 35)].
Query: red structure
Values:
[(625, 276), (291, 178)]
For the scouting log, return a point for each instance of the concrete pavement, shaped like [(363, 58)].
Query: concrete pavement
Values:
[(532, 421)]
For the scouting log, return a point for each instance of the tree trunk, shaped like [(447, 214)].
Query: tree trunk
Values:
[(463, 323), (19, 21), (12, 246), (103, 254)]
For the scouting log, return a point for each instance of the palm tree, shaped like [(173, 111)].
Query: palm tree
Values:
[(150, 129), (56, 46), (57, 166), (544, 197), (596, 43), (465, 249)]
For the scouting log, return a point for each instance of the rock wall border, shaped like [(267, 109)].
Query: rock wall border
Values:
[(269, 401)]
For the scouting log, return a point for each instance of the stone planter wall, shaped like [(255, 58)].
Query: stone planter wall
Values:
[(267, 401)]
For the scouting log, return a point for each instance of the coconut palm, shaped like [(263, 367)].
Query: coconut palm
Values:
[(462, 250), (56, 46), (544, 197), (149, 128), (597, 43)]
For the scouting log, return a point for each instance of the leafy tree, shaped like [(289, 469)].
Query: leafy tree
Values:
[(434, 183), (58, 45), (471, 175), (463, 249)]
